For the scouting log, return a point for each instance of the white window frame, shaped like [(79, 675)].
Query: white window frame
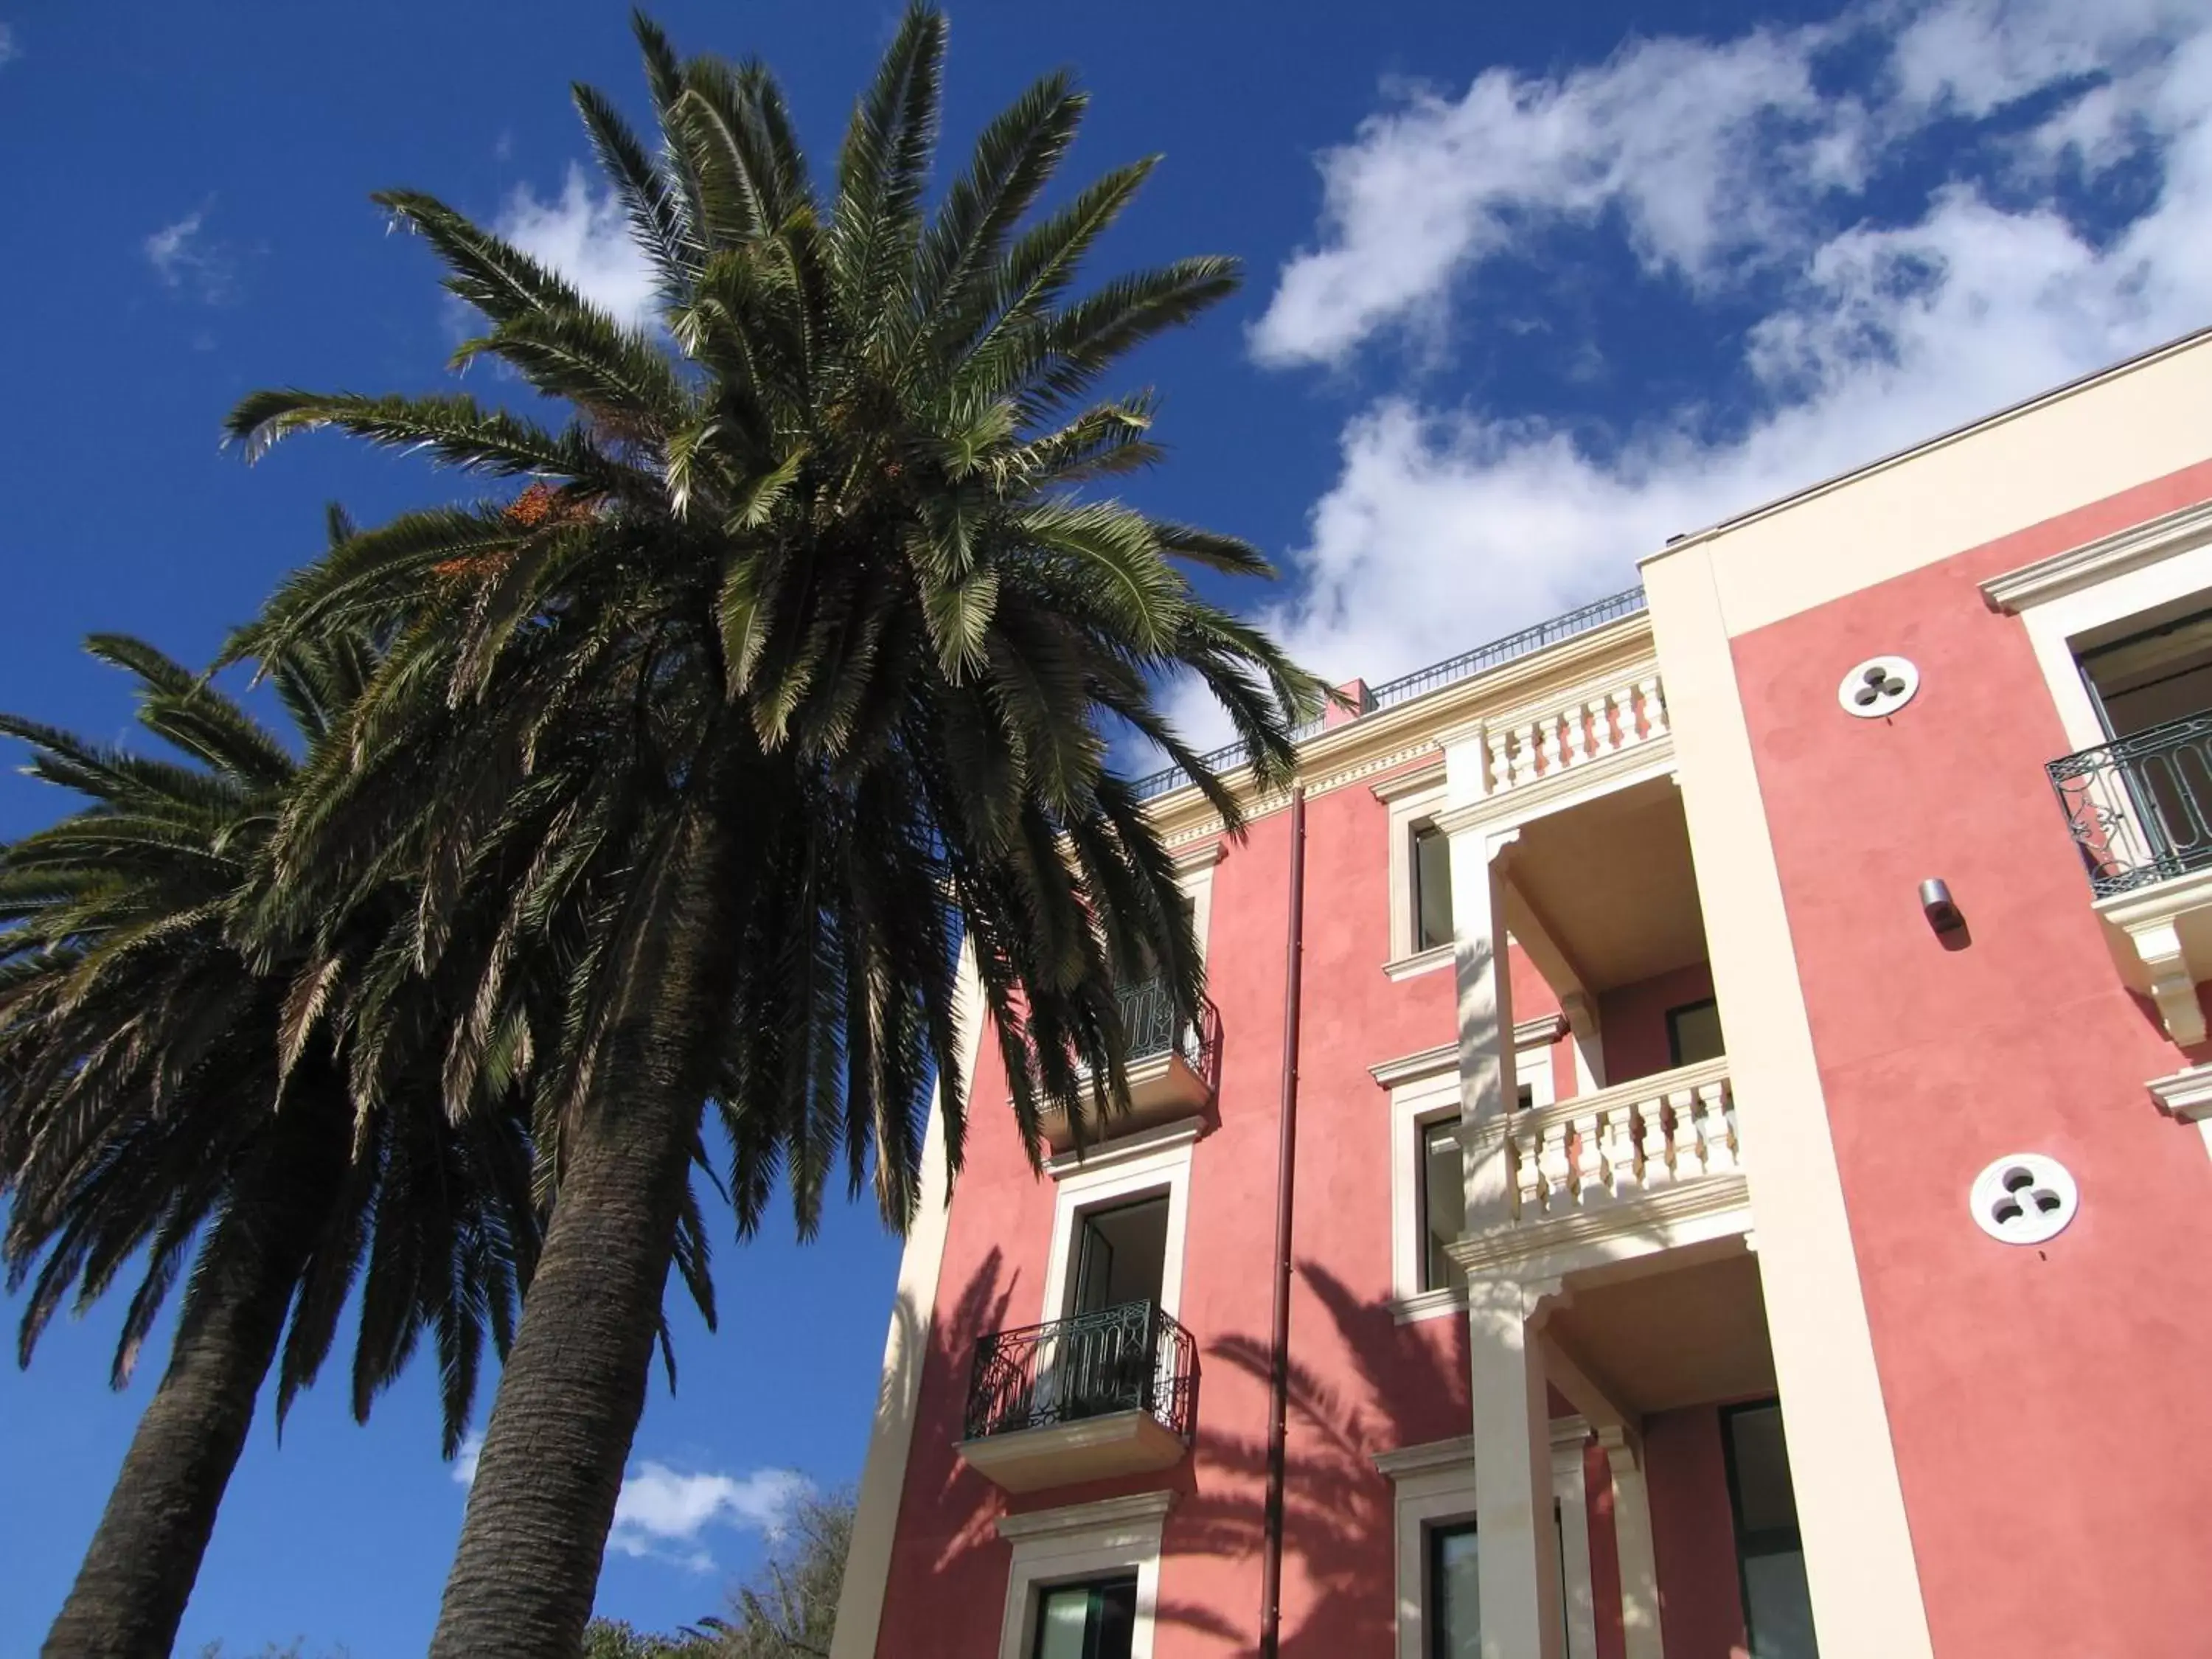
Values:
[(2061, 598), (1423, 1089), (1082, 1542), (1194, 872), (1435, 1485), (1154, 1160), (1413, 798)]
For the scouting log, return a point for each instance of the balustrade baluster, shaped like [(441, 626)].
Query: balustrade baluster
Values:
[(1654, 698), (1658, 1163), (1589, 1159), (1624, 715), (1524, 753), (1559, 1172)]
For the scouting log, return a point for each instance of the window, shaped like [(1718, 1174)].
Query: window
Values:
[(1433, 893), (2152, 675), (1118, 1222), (1428, 1194), (1694, 1033), (1084, 1582), (1777, 1611), (1087, 1622), (1455, 1593), (1121, 1255), (1443, 1203)]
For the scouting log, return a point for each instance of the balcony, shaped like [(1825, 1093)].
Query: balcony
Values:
[(2140, 809), (1646, 1166), (1172, 1066), (1114, 1392)]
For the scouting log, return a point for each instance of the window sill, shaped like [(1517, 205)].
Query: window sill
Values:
[(1429, 1304), (1421, 962)]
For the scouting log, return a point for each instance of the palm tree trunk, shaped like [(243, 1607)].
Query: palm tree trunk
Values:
[(573, 1389), (138, 1574)]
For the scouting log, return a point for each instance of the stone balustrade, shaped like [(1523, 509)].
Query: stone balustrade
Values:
[(1611, 1149), (1602, 722)]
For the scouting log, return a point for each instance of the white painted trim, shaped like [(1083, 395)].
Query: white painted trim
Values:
[(2186, 1094), (1413, 802), (1134, 1170), (1435, 1483), (1571, 1491), (1082, 1540), (1400, 968), (1403, 1460), (1429, 775), (2093, 563), (1123, 1149), (899, 1391), (2165, 568), (1113, 1516), (1195, 871)]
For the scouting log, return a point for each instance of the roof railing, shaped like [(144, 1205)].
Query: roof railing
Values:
[(1422, 681)]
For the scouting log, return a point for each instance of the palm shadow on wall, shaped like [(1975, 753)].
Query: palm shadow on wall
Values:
[(1339, 1569)]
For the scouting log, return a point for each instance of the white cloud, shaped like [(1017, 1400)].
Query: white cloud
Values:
[(184, 257), (663, 1513), (584, 235), (9, 51), (1449, 523), (465, 1461)]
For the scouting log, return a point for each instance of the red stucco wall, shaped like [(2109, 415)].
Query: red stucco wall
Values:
[(1633, 1020), (1363, 1383), (2031, 1391), (1693, 1535)]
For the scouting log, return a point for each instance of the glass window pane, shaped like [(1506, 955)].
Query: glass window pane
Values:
[(1455, 1595), (1765, 1502), (1693, 1032), (1432, 894), (1095, 1620), (1443, 1204), (1778, 1606), (1064, 1622)]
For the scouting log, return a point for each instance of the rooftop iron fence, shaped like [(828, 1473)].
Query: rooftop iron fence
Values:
[(1434, 678)]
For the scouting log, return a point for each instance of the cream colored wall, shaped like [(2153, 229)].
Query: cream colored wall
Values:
[(882, 1476), (2140, 421), (1859, 1562)]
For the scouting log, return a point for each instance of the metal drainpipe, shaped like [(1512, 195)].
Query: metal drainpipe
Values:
[(1279, 1362)]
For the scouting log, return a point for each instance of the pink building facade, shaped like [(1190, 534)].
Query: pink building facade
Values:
[(1709, 1239)]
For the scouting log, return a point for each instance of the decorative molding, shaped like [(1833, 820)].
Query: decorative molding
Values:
[(2100, 560), (1421, 1460), (1414, 780), (1414, 1068), (1122, 1149), (1135, 1509), (1650, 1222), (1440, 1304), (1201, 857), (1421, 962), (1573, 1430), (1542, 1028), (2186, 1095), (2150, 920)]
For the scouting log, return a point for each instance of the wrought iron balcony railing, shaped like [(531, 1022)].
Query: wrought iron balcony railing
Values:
[(2140, 808), (1130, 1359), (1149, 1021)]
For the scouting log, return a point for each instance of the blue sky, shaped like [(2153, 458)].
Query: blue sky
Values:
[(1530, 288)]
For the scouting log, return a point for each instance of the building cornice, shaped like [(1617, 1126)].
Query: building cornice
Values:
[(1411, 1068), (2100, 560), (1419, 1460)]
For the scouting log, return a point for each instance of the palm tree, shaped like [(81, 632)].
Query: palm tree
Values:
[(164, 1097), (804, 648)]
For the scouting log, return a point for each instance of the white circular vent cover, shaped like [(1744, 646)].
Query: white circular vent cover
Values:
[(2024, 1198), (1878, 686)]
